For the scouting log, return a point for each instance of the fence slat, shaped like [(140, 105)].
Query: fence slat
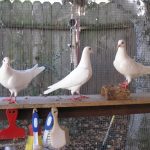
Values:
[(27, 13), (37, 13), (47, 13), (27, 47), (56, 13), (65, 14), (6, 12), (91, 15), (16, 17)]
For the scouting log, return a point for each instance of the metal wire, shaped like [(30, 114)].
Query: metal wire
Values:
[(42, 29)]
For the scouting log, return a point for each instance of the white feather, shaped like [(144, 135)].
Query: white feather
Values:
[(128, 66), (16, 80), (79, 76)]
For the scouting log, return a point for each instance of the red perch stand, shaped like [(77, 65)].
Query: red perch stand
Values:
[(12, 131)]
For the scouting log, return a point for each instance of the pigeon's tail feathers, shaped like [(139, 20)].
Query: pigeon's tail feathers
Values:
[(37, 70), (50, 89), (56, 86), (35, 66)]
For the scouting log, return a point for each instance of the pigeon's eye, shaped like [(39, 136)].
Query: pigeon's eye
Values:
[(90, 49), (122, 42)]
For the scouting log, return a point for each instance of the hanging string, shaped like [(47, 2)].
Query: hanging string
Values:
[(73, 41)]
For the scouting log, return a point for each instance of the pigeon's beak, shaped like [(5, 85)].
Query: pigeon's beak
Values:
[(118, 45)]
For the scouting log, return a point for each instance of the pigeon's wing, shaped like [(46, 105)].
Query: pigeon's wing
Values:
[(32, 72), (139, 69), (77, 77), (135, 68), (19, 80), (129, 67)]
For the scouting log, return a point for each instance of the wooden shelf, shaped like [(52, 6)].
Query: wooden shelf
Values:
[(92, 106)]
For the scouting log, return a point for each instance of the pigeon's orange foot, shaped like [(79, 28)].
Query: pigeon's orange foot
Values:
[(79, 98), (124, 85), (10, 100)]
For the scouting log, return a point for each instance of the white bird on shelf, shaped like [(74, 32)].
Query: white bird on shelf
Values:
[(79, 76), (128, 66), (16, 80)]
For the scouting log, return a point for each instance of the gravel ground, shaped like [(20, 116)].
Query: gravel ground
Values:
[(88, 133)]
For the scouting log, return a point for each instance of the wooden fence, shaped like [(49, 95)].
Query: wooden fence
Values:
[(39, 33)]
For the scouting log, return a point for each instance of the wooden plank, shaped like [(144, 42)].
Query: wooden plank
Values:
[(36, 45), (92, 15), (47, 59), (114, 14), (27, 14), (6, 12), (16, 13), (64, 101), (61, 14), (60, 56), (47, 13), (89, 111), (93, 106), (17, 53), (27, 61), (37, 57), (37, 13), (55, 13), (27, 48), (1, 33), (65, 14)]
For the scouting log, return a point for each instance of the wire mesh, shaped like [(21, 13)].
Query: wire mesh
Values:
[(87, 133), (40, 33)]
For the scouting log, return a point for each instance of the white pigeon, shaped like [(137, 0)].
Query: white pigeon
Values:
[(79, 76), (128, 66), (17, 80)]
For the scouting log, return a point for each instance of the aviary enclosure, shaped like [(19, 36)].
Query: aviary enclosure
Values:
[(53, 35)]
